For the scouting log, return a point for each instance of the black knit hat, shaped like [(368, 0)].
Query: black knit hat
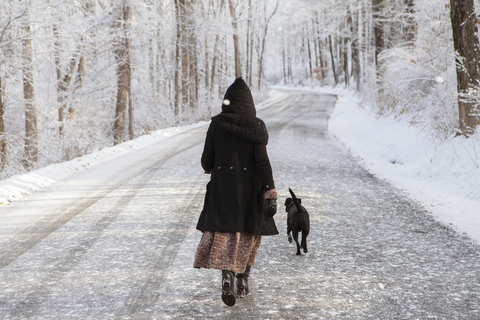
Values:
[(239, 97)]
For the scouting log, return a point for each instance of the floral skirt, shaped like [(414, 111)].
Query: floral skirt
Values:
[(227, 251)]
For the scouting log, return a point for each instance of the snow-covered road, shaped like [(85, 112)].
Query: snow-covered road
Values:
[(118, 239)]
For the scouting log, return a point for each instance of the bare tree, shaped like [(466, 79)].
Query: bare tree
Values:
[(345, 58), (378, 8), (31, 134), (356, 67), (122, 59), (64, 77), (309, 50), (214, 62), (321, 58), (3, 138), (193, 72), (249, 44), (236, 42), (264, 39), (82, 60), (185, 81), (335, 75), (217, 12), (186, 73), (67, 84), (11, 20), (177, 86), (466, 43), (410, 27)]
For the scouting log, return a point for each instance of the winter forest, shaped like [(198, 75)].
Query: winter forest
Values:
[(80, 75)]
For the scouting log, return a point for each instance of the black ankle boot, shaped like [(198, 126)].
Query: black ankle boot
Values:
[(228, 292), (242, 282)]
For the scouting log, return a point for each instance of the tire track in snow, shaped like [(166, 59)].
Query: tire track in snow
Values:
[(149, 294), (32, 301), (31, 236)]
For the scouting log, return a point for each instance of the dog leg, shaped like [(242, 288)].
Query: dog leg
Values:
[(295, 237), (289, 230), (304, 242)]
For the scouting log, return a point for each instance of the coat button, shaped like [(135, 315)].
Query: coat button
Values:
[(231, 168)]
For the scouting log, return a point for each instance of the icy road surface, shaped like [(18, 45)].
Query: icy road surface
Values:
[(117, 240)]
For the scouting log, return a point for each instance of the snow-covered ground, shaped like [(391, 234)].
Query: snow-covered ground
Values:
[(443, 177)]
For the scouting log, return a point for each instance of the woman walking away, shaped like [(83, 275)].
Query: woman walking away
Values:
[(240, 201)]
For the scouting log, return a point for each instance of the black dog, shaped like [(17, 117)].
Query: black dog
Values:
[(298, 220)]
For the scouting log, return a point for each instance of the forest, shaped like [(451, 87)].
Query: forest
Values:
[(80, 75)]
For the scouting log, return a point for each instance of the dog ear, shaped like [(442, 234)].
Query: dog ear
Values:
[(299, 200), (288, 201)]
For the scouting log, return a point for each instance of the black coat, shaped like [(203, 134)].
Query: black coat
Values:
[(240, 176)]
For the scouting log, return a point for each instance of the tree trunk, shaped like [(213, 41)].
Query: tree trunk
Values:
[(3, 138), (31, 143), (122, 58), (410, 29), (314, 35), (356, 67), (214, 63), (64, 78), (238, 69), (215, 53), (309, 52), (378, 7), (207, 63), (345, 62), (184, 52), (321, 58), (339, 54), (464, 27), (193, 82), (247, 43), (81, 72), (82, 61), (348, 27), (251, 47), (131, 134), (262, 51), (333, 60), (178, 68), (260, 62)]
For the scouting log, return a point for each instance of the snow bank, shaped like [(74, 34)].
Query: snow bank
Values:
[(17, 186), (443, 176)]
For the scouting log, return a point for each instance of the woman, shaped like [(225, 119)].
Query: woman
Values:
[(241, 197)]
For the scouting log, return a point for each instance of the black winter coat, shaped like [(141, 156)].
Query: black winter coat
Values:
[(240, 176)]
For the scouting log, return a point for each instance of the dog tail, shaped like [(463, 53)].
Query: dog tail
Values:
[(296, 202)]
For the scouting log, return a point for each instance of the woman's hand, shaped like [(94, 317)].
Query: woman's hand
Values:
[(271, 207)]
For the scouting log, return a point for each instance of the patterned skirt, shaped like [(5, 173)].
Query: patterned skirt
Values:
[(227, 251)]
